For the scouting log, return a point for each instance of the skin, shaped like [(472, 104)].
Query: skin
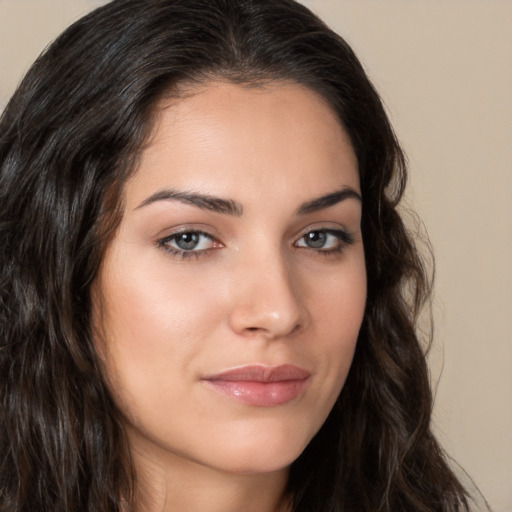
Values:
[(252, 292)]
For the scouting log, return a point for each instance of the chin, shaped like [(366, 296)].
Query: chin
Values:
[(249, 464), (267, 453)]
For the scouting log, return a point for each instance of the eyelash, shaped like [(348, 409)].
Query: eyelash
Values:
[(344, 239)]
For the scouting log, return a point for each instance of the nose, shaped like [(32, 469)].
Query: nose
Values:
[(269, 300)]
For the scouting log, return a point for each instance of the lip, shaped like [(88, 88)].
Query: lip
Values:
[(259, 385)]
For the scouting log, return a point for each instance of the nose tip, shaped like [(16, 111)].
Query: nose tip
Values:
[(264, 321), (269, 305)]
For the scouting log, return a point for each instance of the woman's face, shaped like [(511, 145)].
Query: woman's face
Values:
[(234, 289)]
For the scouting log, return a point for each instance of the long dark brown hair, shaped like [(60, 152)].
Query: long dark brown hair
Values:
[(69, 138)]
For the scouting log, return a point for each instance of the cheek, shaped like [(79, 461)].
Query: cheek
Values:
[(154, 293), (337, 300), (153, 323), (156, 331), (337, 310)]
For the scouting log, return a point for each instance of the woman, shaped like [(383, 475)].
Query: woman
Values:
[(208, 296)]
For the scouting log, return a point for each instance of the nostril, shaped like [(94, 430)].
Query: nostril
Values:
[(270, 332)]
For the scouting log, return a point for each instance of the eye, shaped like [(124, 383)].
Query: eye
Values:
[(188, 243), (325, 240)]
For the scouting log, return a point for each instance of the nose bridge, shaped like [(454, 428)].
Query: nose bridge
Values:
[(269, 298)]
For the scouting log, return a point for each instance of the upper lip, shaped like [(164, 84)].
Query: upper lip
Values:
[(262, 373)]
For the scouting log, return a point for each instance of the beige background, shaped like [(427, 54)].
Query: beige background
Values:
[(444, 69)]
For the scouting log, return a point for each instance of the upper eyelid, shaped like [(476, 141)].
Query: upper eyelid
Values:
[(174, 234), (332, 231), (188, 230), (331, 227), (185, 228)]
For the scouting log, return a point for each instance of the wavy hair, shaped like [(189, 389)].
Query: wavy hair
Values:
[(70, 137)]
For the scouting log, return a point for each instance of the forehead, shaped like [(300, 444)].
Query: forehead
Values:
[(221, 133)]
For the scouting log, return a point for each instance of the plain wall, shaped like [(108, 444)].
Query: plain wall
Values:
[(444, 70)]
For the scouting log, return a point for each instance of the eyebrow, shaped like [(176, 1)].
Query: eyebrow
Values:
[(230, 207), (205, 202), (322, 202)]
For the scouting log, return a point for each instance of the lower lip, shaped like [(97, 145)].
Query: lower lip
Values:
[(261, 394)]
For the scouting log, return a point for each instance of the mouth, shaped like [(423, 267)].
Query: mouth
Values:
[(260, 386)]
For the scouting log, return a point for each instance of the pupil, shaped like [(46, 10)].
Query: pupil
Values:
[(316, 239), (187, 241)]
